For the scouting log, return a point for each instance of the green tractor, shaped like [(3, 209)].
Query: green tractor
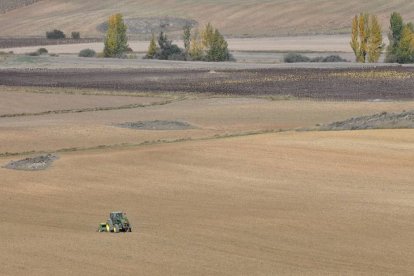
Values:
[(117, 222)]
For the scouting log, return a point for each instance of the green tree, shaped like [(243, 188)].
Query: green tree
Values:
[(187, 38), (167, 50), (394, 36), (401, 37), (396, 28), (218, 48), (209, 46), (152, 48), (116, 41), (405, 51)]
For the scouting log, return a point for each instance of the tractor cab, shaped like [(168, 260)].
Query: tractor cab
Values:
[(118, 222), (117, 217)]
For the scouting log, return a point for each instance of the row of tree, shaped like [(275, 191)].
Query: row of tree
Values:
[(207, 45), (367, 41)]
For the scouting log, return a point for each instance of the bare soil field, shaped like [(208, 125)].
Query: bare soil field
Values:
[(241, 18), (222, 168), (16, 101), (288, 203), (47, 128), (315, 43), (211, 168), (384, 83)]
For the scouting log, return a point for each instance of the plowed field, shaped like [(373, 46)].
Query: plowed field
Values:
[(324, 84), (238, 192)]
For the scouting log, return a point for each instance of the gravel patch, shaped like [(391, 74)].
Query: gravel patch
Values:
[(36, 163), (157, 125)]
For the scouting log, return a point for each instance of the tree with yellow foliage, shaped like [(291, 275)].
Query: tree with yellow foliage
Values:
[(375, 44), (152, 48), (354, 37), (366, 38), (209, 46), (406, 46), (207, 35), (363, 30), (116, 42), (196, 46)]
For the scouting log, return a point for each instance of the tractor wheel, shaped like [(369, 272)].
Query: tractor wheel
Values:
[(129, 229), (116, 229), (108, 229)]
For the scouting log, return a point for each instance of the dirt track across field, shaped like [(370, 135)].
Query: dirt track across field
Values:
[(338, 84)]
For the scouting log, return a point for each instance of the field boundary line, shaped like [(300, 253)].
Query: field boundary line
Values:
[(90, 109), (147, 143)]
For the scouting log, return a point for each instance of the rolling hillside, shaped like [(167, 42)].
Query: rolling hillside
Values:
[(234, 17)]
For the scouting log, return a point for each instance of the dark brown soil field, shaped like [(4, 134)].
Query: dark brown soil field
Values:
[(396, 83), (8, 42)]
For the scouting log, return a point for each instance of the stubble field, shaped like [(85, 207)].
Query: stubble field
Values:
[(241, 192)]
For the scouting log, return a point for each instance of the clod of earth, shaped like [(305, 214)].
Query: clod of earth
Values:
[(36, 163), (157, 125), (383, 120)]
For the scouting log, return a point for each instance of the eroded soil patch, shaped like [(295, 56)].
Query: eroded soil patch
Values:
[(382, 120), (36, 163), (157, 125)]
